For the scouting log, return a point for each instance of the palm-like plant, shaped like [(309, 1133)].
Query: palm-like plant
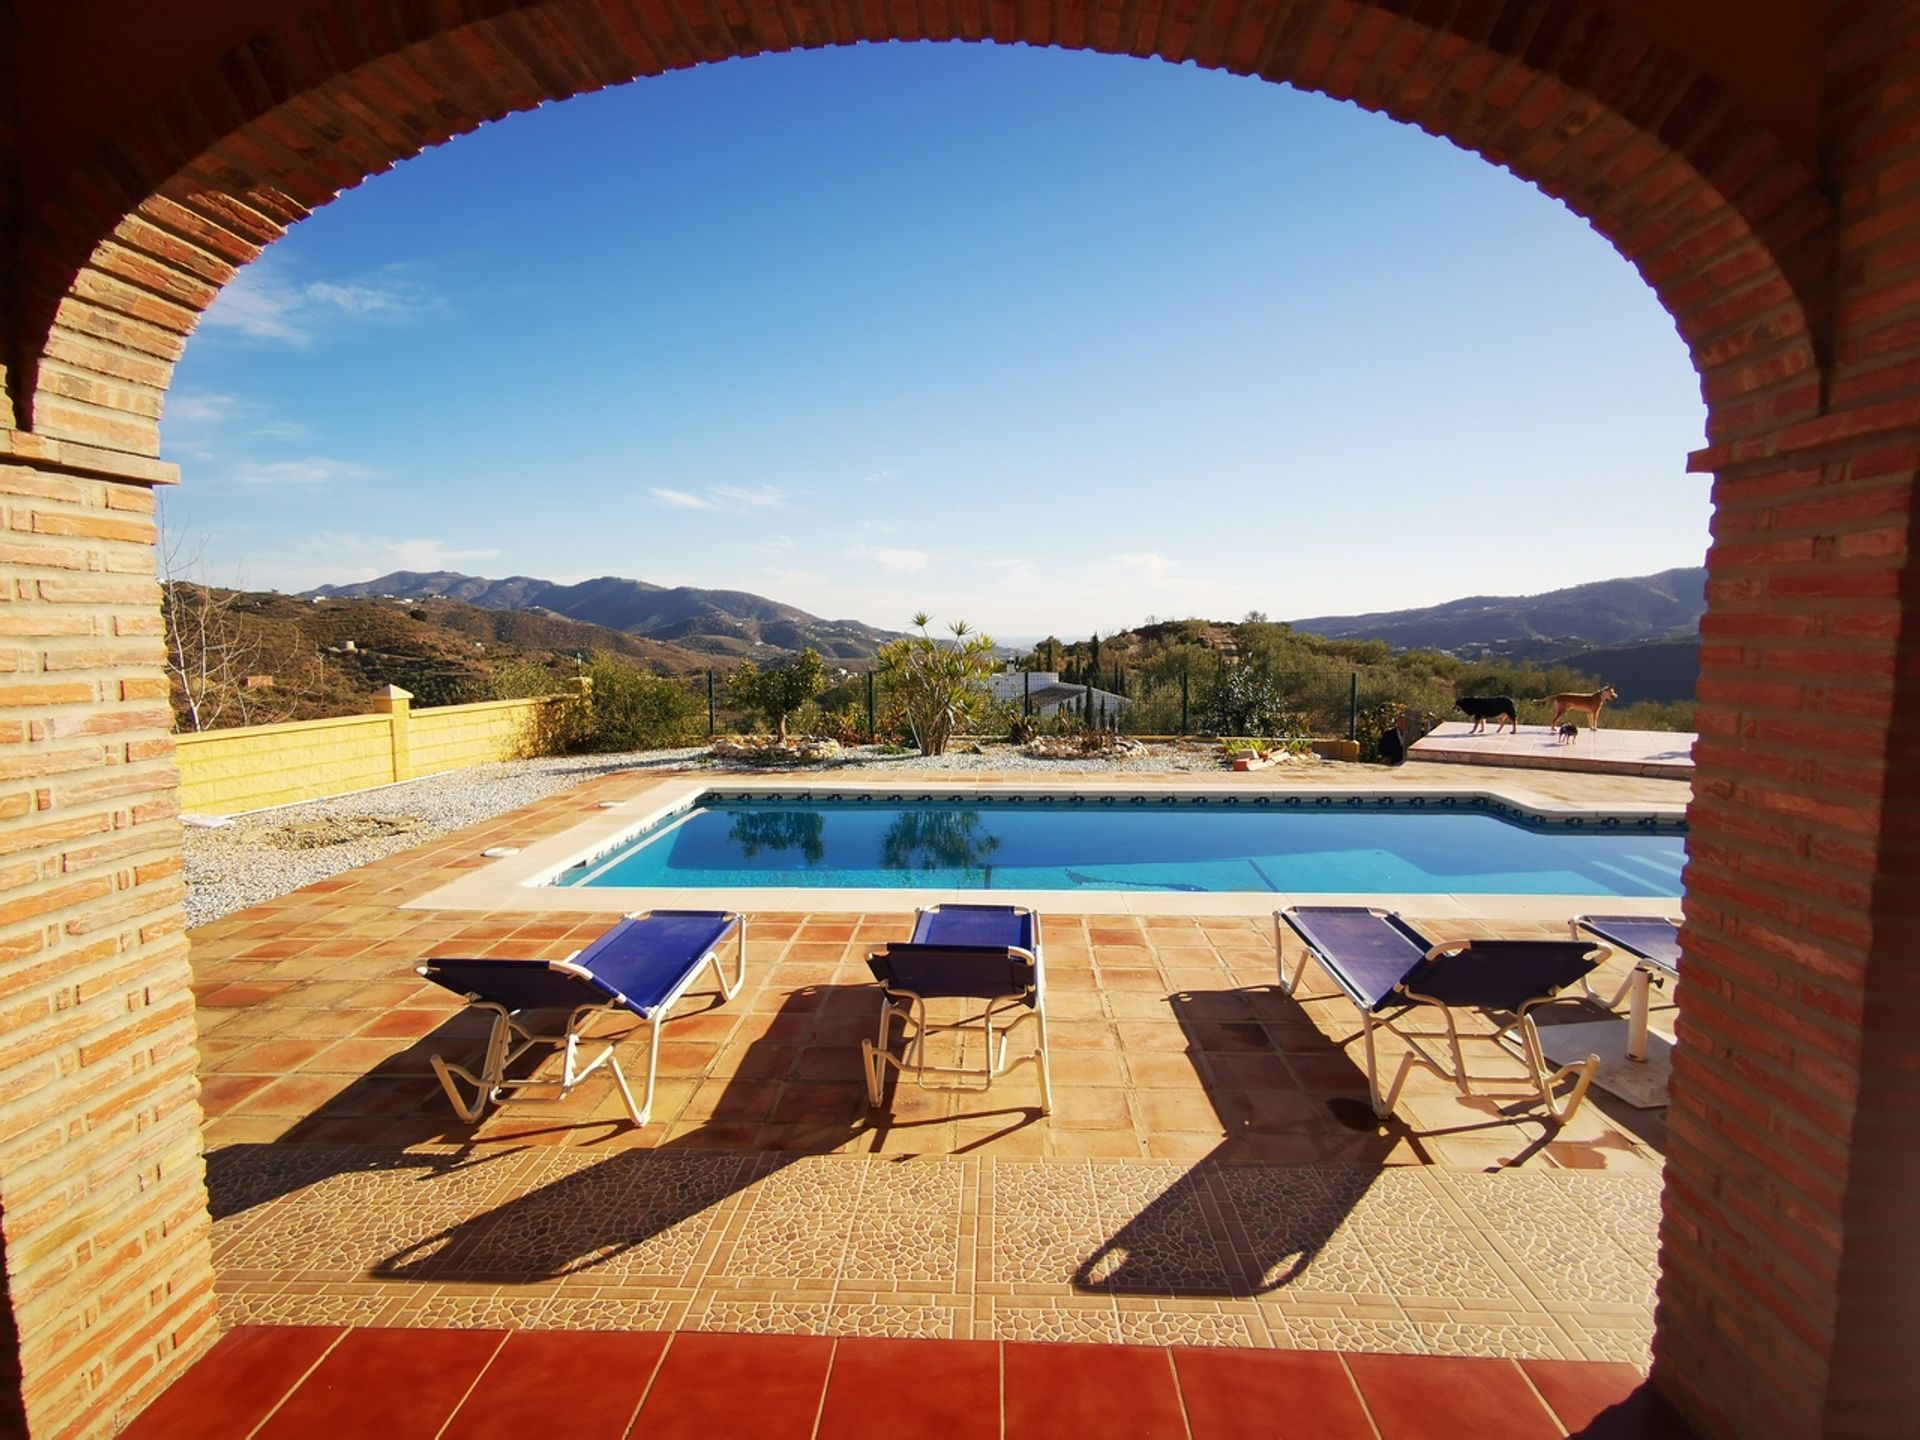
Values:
[(937, 682)]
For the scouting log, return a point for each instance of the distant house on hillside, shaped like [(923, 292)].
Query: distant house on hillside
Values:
[(1048, 695)]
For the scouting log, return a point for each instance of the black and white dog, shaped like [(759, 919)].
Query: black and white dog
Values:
[(1482, 708)]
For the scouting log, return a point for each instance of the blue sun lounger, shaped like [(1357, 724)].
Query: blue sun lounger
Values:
[(1388, 969), (985, 953), (1654, 945), (642, 966)]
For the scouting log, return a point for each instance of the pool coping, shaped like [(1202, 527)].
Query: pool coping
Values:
[(517, 882)]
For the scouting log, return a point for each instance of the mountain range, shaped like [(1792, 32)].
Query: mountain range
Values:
[(731, 624), (1550, 627), (1645, 627)]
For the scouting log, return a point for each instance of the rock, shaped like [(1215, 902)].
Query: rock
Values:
[(766, 750)]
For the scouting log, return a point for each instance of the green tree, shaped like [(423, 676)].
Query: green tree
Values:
[(779, 690), (937, 683)]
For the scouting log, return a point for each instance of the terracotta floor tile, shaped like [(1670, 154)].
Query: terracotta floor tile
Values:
[(296, 1095), (933, 1389), (236, 1384), (402, 1024), (744, 1387), (1086, 1067), (241, 994), (814, 1102), (1300, 1394), (1604, 1402), (222, 1093), (1084, 1107), (1160, 1070), (377, 1384), (583, 1384), (1118, 1392), (1439, 1397), (1096, 1144), (275, 1057), (1177, 1110)]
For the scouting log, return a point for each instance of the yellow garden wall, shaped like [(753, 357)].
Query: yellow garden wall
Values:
[(224, 772), (454, 737)]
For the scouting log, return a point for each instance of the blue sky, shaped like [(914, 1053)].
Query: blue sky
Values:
[(1044, 341)]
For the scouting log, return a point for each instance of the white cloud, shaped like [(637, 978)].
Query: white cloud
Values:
[(204, 407), (894, 559), (1146, 569), (432, 555), (205, 424), (307, 471), (724, 499), (263, 302), (760, 497), (681, 500), (796, 577)]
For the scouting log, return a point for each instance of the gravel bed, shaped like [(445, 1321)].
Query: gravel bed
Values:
[(254, 858), (247, 860)]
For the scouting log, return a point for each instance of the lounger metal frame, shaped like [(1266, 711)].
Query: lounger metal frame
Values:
[(1520, 1030), (1646, 973), (510, 1037), (910, 1009)]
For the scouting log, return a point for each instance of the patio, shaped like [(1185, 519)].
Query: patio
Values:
[(1211, 1174)]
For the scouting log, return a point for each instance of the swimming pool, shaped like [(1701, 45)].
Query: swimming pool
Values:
[(1297, 844)]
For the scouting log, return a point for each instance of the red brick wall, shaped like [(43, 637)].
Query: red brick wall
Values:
[(1874, 153), (1790, 1302), (12, 203), (105, 1222)]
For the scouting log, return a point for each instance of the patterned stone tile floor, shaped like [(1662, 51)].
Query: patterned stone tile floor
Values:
[(1211, 1174)]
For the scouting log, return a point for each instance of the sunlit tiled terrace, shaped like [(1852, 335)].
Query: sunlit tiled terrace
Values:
[(1211, 1173)]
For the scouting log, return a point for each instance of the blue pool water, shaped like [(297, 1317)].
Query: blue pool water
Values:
[(1298, 845)]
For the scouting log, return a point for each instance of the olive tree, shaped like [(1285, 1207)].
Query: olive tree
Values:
[(779, 690), (938, 683)]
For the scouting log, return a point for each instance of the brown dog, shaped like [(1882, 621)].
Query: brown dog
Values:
[(1588, 705)]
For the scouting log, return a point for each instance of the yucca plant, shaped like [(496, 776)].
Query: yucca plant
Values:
[(936, 682)]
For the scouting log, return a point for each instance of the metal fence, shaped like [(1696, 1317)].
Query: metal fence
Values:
[(1322, 701), (1325, 702)]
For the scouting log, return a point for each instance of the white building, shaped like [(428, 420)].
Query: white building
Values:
[(1048, 695)]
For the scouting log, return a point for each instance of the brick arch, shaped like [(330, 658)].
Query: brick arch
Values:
[(1725, 226)]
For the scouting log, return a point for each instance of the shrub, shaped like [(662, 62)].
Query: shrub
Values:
[(556, 728), (848, 725), (1247, 701), (632, 710), (937, 683)]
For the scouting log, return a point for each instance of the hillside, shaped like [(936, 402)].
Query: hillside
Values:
[(294, 659), (1666, 670), (1607, 613), (729, 624)]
